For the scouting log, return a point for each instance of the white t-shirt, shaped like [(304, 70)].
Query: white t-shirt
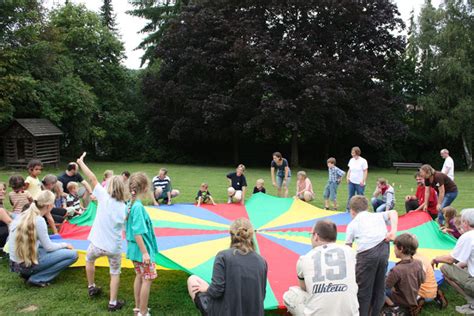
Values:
[(34, 186), (464, 250), (367, 230), (448, 164), (106, 231), (357, 168), (329, 275)]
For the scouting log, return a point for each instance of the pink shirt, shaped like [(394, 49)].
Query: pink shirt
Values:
[(305, 185)]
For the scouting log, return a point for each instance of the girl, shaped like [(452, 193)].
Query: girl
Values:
[(283, 175), (108, 174), (106, 232), (18, 197), (450, 215), (304, 188), (32, 182), (239, 272), (32, 254), (142, 247)]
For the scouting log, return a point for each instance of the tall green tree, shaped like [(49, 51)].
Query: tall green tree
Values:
[(108, 16)]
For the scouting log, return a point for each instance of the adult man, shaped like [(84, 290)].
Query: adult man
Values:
[(162, 189), (417, 202), (327, 281), (448, 165), (72, 175), (459, 268)]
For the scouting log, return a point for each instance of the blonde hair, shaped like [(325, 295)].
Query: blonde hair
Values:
[(108, 174), (428, 170), (261, 181), (382, 181), (58, 189), (241, 166), (302, 174), (25, 241), (241, 236), (204, 185), (138, 185), (116, 189), (332, 160), (3, 184), (72, 185)]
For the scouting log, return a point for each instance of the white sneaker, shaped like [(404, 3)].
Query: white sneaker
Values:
[(465, 309)]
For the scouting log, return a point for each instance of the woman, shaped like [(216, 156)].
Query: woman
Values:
[(32, 254), (357, 174), (5, 220), (239, 277), (283, 174), (443, 185)]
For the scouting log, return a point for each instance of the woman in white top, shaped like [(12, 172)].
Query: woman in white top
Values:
[(357, 174)]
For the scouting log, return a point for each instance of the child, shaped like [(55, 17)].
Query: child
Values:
[(32, 182), (142, 247), (304, 188), (162, 188), (237, 185), (203, 195), (18, 197), (449, 226), (108, 174), (259, 187), (384, 196), (330, 191), (3, 191), (106, 233), (73, 201), (60, 200), (405, 279), (429, 288), (369, 230), (125, 175)]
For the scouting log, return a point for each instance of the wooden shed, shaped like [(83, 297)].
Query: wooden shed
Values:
[(28, 139)]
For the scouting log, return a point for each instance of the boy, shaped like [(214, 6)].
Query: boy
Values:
[(203, 195), (162, 188), (259, 187), (406, 277), (32, 182), (73, 203), (335, 176), (369, 230)]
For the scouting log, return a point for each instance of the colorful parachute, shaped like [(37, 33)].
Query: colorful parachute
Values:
[(189, 237)]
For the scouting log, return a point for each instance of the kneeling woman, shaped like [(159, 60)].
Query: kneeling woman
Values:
[(239, 277), (32, 254)]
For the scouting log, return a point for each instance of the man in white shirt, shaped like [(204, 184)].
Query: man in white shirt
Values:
[(448, 165), (357, 174), (458, 269), (327, 282)]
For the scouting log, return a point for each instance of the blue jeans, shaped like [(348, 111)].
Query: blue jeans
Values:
[(354, 189), (330, 191), (378, 205), (448, 199), (50, 264)]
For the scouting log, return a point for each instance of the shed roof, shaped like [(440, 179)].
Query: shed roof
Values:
[(39, 127)]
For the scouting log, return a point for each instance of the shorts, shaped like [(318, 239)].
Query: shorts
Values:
[(460, 276), (295, 300), (148, 271), (330, 191), (115, 259), (204, 198), (280, 179)]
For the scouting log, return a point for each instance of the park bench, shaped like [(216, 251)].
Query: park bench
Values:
[(407, 165)]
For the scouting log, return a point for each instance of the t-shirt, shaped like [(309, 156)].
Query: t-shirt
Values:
[(448, 164), (455, 232), (65, 179), (203, 194), (19, 200), (429, 288), (257, 190), (34, 186), (405, 279), (106, 231), (328, 272), (237, 181), (164, 184), (357, 168), (303, 186), (367, 230), (281, 168), (464, 250), (139, 223), (432, 202), (440, 179)]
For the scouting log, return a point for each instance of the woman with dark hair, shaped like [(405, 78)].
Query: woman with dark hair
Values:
[(282, 178), (238, 280)]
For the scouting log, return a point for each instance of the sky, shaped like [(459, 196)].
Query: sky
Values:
[(129, 26)]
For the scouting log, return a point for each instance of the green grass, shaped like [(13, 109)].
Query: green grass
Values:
[(68, 294)]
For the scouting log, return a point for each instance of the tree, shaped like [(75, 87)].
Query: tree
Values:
[(108, 16)]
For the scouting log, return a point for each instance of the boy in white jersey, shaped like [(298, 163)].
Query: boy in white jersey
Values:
[(327, 283), (369, 231)]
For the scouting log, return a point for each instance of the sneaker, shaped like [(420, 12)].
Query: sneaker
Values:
[(441, 300), (326, 208), (118, 305), (94, 291), (465, 309)]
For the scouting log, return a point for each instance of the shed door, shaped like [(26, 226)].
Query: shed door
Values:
[(20, 147)]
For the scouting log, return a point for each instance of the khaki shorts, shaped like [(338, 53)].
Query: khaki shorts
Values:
[(460, 276)]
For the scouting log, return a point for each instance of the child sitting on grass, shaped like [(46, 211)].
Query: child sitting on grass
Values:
[(449, 226), (108, 174), (18, 197), (73, 202), (33, 183), (259, 187), (106, 233), (405, 279), (203, 195), (142, 247), (304, 187)]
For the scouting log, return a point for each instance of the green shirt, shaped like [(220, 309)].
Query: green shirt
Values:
[(139, 223)]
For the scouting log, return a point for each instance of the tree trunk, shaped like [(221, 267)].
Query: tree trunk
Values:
[(235, 140), (467, 152), (294, 150)]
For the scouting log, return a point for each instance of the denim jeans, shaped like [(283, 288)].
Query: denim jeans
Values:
[(378, 205), (354, 189), (448, 199), (50, 264)]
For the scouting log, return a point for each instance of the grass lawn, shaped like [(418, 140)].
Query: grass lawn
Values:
[(68, 294)]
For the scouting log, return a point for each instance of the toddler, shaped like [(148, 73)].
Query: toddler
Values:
[(259, 187), (449, 226), (203, 195), (73, 202), (304, 188), (107, 175), (18, 197)]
